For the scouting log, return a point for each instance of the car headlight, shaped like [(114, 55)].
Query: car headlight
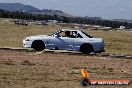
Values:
[(27, 39)]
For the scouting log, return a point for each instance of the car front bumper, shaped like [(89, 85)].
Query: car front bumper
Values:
[(27, 44)]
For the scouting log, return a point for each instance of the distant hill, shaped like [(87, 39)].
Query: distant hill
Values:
[(122, 20), (31, 9), (17, 7), (50, 12)]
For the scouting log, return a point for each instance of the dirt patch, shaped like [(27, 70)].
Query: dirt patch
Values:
[(54, 70)]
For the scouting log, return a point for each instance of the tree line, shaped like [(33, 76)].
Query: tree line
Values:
[(80, 20)]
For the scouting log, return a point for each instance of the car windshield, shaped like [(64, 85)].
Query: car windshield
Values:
[(87, 34), (54, 33)]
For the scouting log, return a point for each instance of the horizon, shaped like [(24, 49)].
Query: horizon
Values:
[(115, 9)]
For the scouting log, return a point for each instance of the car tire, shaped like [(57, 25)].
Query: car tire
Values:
[(38, 45), (86, 48)]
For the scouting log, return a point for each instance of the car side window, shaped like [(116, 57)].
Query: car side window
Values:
[(76, 35), (65, 34), (62, 34), (69, 34)]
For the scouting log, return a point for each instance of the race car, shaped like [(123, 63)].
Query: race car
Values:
[(65, 39)]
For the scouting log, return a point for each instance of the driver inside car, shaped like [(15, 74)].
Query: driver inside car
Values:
[(67, 34)]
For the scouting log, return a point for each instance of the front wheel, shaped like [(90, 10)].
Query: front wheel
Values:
[(38, 45)]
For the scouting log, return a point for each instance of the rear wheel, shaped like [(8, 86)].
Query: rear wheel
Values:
[(86, 48), (38, 45)]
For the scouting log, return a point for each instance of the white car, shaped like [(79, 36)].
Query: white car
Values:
[(65, 39)]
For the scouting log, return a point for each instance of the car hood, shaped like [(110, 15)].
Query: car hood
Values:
[(37, 37)]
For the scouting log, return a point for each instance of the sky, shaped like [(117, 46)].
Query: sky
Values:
[(108, 9)]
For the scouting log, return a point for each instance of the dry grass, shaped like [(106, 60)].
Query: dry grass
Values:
[(29, 69), (11, 35), (115, 41)]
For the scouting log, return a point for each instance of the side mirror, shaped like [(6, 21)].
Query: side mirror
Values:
[(56, 35)]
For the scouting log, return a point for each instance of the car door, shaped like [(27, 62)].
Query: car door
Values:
[(61, 41), (77, 40)]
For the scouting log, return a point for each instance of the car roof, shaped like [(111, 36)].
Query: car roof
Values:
[(69, 30)]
